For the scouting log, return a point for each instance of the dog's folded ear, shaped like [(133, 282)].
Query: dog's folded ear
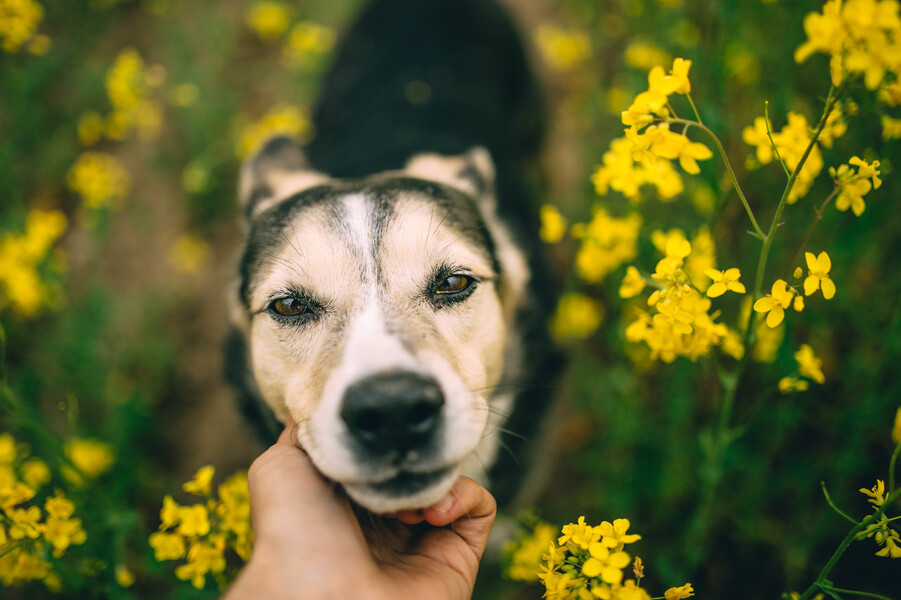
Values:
[(277, 171), (472, 172)]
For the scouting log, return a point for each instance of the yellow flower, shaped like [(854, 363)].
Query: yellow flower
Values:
[(645, 55), (281, 120), (24, 523), (100, 179), (62, 533), (193, 520), (201, 484), (35, 473), (525, 555), (169, 515), (632, 283), (775, 303), (58, 506), (604, 563), (189, 253), (268, 19), (580, 534), (577, 317), (90, 128), (167, 546), (307, 43), (877, 494), (20, 19), (787, 385), (563, 49), (91, 456), (724, 281), (638, 568), (124, 577), (7, 449), (614, 534), (818, 275), (553, 224), (21, 256), (679, 593), (809, 365)]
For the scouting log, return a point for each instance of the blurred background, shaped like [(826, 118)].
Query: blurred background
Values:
[(122, 127)]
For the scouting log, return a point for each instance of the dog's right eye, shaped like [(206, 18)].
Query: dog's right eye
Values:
[(288, 307)]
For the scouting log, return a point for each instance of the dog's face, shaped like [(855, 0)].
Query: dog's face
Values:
[(377, 314)]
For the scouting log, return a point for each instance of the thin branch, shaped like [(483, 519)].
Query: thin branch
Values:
[(769, 134), (758, 232)]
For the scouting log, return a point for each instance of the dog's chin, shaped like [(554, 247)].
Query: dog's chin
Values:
[(404, 491)]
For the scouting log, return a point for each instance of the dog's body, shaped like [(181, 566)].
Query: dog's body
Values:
[(392, 300)]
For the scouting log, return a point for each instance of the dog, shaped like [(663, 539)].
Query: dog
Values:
[(391, 298)]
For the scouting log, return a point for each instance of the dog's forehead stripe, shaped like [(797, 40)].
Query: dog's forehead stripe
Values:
[(368, 204)]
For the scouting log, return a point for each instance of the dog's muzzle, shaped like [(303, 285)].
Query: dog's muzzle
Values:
[(393, 417)]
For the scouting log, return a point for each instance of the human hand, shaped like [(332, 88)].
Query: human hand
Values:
[(310, 542)]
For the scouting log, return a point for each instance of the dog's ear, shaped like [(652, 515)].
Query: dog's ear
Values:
[(472, 172), (277, 171)]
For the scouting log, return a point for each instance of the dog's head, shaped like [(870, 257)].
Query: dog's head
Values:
[(377, 315)]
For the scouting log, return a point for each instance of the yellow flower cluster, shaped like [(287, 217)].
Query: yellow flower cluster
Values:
[(268, 19), (19, 19), (21, 256), (782, 295), (645, 55), (577, 317), (129, 82), (588, 563), (644, 156), (201, 533), (854, 185), (881, 531), (861, 37), (281, 120), (620, 172), (189, 253), (553, 224), (523, 555), (30, 536), (607, 243), (680, 321), (100, 179), (809, 366), (563, 49), (90, 457), (791, 142), (308, 44)]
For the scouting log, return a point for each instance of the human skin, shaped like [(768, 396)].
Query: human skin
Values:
[(311, 542)]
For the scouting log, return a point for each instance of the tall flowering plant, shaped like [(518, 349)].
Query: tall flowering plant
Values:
[(679, 307)]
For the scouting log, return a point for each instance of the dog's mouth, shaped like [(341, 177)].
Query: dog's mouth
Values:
[(403, 490), (407, 483)]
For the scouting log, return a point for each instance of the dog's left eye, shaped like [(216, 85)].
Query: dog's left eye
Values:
[(454, 284), (288, 307)]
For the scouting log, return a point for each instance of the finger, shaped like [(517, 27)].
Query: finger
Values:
[(468, 513), (293, 508)]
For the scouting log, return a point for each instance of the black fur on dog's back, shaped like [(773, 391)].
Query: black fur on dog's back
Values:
[(442, 76), (464, 60)]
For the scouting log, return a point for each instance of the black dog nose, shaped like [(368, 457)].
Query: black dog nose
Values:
[(398, 411)]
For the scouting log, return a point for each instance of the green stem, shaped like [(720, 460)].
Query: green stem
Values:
[(758, 232), (816, 219), (769, 134), (834, 507), (853, 592), (852, 535), (694, 108)]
